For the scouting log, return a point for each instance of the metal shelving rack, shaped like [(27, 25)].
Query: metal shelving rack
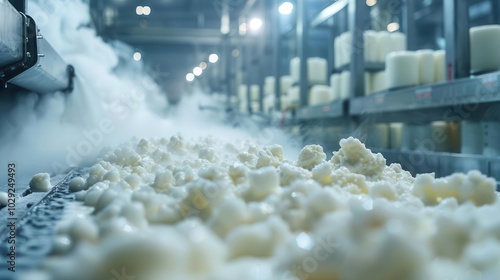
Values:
[(462, 97)]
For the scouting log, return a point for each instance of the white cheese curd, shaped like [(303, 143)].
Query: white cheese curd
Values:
[(4, 199), (310, 156), (201, 209), (77, 184), (40, 183)]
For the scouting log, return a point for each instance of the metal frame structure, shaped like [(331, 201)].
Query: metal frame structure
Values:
[(443, 101)]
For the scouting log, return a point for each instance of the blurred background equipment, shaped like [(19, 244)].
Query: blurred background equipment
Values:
[(27, 60)]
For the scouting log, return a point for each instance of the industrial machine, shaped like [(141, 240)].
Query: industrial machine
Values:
[(27, 60)]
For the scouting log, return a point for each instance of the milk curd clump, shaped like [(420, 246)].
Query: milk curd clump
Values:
[(40, 183), (198, 209)]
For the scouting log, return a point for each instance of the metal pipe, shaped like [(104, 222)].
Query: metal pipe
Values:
[(329, 12), (456, 28), (357, 67), (248, 6), (302, 36), (409, 24), (276, 54)]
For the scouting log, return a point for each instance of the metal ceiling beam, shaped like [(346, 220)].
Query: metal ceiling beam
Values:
[(329, 12), (248, 7), (194, 36)]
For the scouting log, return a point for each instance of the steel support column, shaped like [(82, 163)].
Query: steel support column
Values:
[(456, 29)]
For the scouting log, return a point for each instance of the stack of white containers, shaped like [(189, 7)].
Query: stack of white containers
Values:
[(269, 96), (316, 70), (286, 83), (377, 45), (409, 68), (254, 97), (317, 78), (485, 48)]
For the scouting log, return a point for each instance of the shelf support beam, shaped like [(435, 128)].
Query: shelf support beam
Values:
[(302, 38), (456, 29), (357, 10), (277, 54)]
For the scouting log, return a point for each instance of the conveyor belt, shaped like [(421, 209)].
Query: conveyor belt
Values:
[(37, 215)]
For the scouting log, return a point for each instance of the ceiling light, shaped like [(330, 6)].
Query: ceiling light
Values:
[(137, 56), (146, 10), (139, 10), (255, 24), (243, 29), (371, 2), (190, 77), (213, 58), (203, 65), (287, 8), (393, 26), (197, 71)]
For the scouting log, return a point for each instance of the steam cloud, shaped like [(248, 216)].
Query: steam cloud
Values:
[(114, 99)]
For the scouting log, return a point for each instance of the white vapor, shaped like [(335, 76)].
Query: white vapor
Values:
[(113, 100)]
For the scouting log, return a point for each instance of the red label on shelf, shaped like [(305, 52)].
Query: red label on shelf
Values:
[(490, 81), (423, 93), (379, 99)]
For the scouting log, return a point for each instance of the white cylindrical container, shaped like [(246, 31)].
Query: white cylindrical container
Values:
[(398, 41), (284, 102), (320, 94), (286, 83), (269, 84), (254, 92), (416, 137), (379, 81), (269, 103), (485, 48), (441, 140), (471, 138), (255, 106), (317, 69), (396, 132), (337, 54), (335, 86), (439, 66), (425, 66), (345, 48), (242, 93), (384, 45), (345, 85), (295, 69), (377, 136), (402, 69), (293, 96), (370, 38)]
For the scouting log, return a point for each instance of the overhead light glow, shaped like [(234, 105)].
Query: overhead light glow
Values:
[(139, 10), (393, 26), (213, 58), (137, 56), (371, 3), (243, 29), (203, 65), (197, 71), (190, 77), (287, 8), (235, 53), (255, 24), (146, 10)]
